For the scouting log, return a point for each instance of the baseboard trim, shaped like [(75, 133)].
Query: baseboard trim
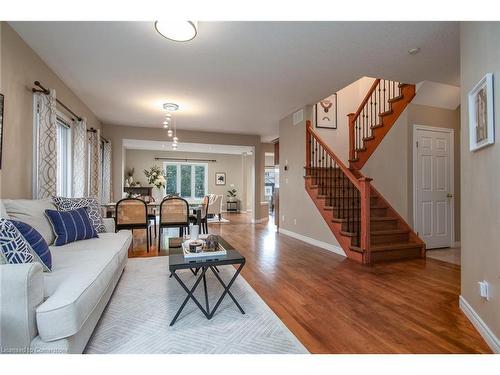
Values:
[(488, 336), (311, 241)]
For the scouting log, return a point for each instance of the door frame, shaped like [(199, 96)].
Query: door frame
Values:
[(451, 134)]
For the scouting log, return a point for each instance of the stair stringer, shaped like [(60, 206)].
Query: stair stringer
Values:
[(335, 227)]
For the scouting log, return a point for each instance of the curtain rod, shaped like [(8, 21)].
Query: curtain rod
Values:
[(46, 91), (186, 160), (92, 130)]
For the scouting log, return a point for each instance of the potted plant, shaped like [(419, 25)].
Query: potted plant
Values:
[(156, 177), (231, 195)]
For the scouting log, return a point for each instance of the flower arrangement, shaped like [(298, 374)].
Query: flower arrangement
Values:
[(156, 176), (231, 194)]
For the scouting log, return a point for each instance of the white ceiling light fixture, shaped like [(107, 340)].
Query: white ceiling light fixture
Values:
[(169, 108), (178, 31), (413, 51)]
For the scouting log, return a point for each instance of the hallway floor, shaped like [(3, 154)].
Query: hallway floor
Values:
[(449, 255), (334, 305)]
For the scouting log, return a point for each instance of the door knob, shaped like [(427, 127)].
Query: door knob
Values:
[(449, 195)]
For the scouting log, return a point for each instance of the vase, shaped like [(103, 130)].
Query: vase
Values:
[(158, 194)]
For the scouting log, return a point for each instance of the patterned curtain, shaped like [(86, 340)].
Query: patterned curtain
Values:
[(79, 132), (45, 163), (106, 174), (95, 164)]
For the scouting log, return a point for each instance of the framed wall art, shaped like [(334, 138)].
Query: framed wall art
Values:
[(325, 113), (481, 114), (220, 178)]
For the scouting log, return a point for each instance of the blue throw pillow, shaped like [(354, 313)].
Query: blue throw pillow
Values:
[(71, 226), (36, 242), (14, 247)]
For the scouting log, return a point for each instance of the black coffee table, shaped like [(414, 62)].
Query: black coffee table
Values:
[(178, 262)]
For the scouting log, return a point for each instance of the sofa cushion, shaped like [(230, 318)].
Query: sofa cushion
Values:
[(68, 204), (14, 249), (3, 211), (32, 212), (71, 226), (81, 273)]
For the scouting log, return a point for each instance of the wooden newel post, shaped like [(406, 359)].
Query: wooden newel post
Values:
[(352, 121), (308, 146), (365, 191)]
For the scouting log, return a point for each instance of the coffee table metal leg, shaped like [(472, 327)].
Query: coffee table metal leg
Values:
[(205, 287), (226, 290), (190, 295)]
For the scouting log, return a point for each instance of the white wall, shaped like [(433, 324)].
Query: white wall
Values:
[(480, 54)]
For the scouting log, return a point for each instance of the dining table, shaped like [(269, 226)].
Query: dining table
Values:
[(195, 208)]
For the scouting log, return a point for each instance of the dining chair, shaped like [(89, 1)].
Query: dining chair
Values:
[(204, 215), (174, 213), (151, 210), (132, 213)]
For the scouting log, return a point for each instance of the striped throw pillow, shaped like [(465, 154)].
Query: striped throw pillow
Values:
[(71, 226), (92, 205)]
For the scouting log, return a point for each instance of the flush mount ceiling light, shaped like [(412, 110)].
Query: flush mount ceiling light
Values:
[(413, 51), (178, 31), (170, 107)]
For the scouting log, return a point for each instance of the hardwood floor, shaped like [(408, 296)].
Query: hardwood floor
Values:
[(335, 305)]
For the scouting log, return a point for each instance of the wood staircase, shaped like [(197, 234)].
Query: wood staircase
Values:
[(367, 228), (378, 112)]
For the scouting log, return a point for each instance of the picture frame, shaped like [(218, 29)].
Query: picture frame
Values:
[(325, 113), (2, 101), (220, 178), (481, 114)]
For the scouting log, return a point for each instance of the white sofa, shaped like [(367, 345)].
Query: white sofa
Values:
[(56, 312)]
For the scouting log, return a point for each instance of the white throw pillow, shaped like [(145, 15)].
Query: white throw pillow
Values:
[(32, 212)]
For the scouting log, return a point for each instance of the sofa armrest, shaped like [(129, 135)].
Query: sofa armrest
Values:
[(109, 223), (21, 291)]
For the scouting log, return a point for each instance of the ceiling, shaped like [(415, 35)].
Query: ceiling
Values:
[(137, 144), (237, 77)]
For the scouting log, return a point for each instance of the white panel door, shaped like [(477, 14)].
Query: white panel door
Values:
[(433, 186)]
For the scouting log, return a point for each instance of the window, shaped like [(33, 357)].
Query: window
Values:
[(189, 180), (63, 157)]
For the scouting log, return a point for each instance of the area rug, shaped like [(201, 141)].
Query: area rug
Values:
[(215, 220), (137, 318)]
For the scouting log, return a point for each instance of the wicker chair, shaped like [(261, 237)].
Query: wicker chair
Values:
[(132, 213), (174, 213)]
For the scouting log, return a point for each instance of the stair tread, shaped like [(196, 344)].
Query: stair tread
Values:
[(389, 246), (376, 126), (373, 218), (386, 113), (389, 231), (395, 246), (366, 139), (396, 98), (373, 205)]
